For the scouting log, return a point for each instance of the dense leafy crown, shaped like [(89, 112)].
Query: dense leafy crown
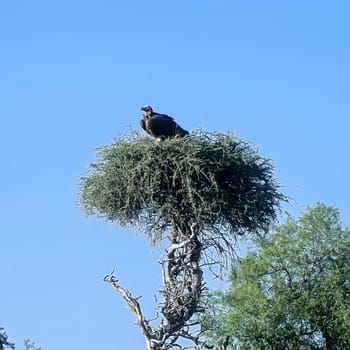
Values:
[(212, 179), (293, 290)]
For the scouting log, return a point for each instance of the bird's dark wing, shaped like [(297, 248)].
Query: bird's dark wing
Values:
[(180, 132), (161, 126), (143, 124)]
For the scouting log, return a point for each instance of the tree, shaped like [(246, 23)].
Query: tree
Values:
[(293, 290), (4, 342), (30, 345), (197, 193)]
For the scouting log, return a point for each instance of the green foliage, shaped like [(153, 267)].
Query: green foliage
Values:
[(29, 345), (293, 290), (211, 179), (4, 341)]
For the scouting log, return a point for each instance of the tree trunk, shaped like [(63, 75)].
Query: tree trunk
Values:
[(182, 289)]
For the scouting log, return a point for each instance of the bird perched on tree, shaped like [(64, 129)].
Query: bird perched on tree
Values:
[(160, 126)]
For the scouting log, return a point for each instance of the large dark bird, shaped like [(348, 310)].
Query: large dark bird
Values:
[(160, 126)]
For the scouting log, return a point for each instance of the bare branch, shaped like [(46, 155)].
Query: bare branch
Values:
[(133, 305)]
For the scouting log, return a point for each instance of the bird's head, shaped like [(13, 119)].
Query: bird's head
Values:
[(147, 111)]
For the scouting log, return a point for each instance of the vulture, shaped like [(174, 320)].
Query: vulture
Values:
[(160, 126)]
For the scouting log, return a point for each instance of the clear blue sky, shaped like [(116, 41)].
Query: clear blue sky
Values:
[(73, 75)]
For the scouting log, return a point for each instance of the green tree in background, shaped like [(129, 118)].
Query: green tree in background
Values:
[(293, 290), (4, 342), (30, 345), (196, 194)]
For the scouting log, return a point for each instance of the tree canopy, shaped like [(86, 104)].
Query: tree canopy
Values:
[(293, 290), (213, 179)]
